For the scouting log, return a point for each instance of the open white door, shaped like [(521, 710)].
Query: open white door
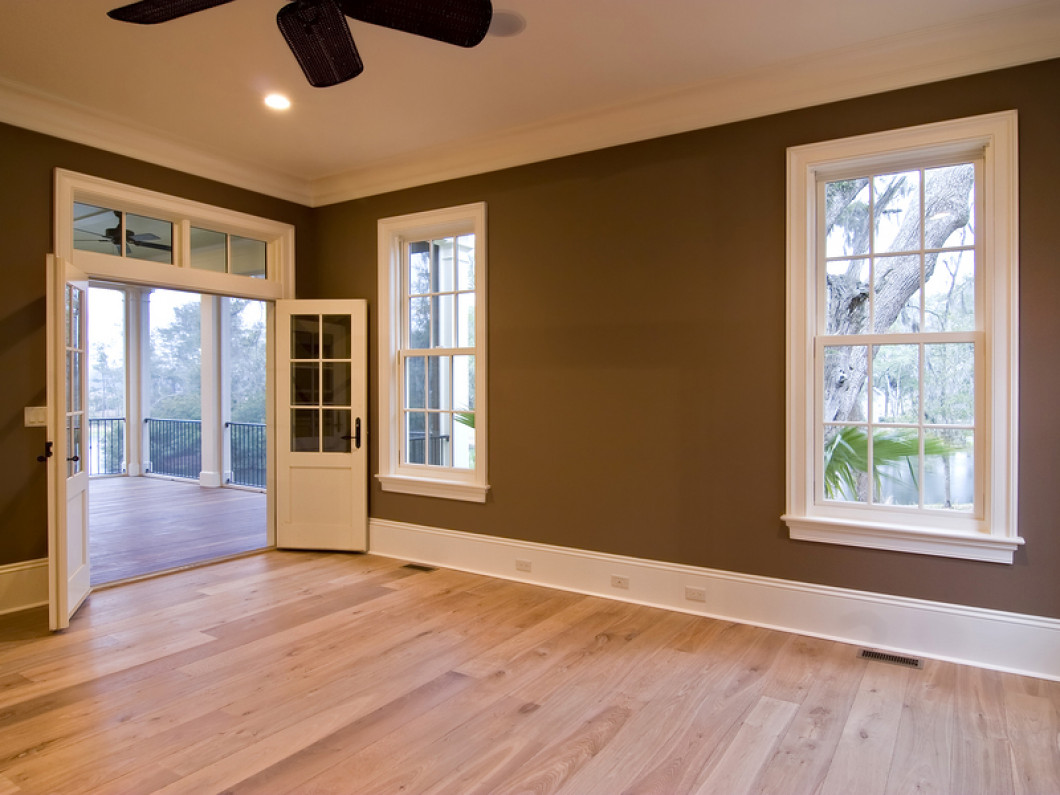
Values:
[(67, 321), (322, 425)]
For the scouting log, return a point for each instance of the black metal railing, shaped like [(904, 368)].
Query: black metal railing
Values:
[(174, 447), (106, 446), (247, 449)]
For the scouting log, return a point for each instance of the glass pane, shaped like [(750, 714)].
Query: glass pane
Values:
[(949, 195), (949, 388), (336, 384), (847, 291), (337, 431), (442, 271), (438, 439), (897, 211), (439, 382), (305, 431), (896, 464), (896, 383), (846, 463), (419, 268), (97, 229), (76, 305), (305, 384), (68, 312), (419, 323), (894, 277), (415, 438), (464, 440), (415, 383), (465, 268), (845, 372), (950, 291), (74, 450), (305, 337), (335, 337), (248, 257), (148, 238), (464, 382), (465, 320), (442, 321), (949, 470), (75, 380), (209, 251), (847, 217)]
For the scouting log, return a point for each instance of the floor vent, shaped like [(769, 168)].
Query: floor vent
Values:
[(418, 567), (894, 659)]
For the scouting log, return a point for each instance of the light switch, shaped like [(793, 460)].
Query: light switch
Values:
[(36, 416)]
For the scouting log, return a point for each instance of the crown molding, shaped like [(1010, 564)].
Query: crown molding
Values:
[(30, 109), (984, 43)]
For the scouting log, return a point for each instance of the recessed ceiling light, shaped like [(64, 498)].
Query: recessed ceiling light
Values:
[(277, 102), (506, 23)]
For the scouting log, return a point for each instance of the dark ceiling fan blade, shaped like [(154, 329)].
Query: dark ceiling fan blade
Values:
[(460, 22), (319, 36), (150, 12)]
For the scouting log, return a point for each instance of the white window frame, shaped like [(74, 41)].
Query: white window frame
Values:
[(394, 235), (183, 214), (990, 533)]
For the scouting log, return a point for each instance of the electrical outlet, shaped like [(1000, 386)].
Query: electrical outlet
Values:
[(619, 582), (695, 594), (522, 565)]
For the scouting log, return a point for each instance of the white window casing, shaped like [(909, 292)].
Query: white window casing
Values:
[(989, 531), (395, 472)]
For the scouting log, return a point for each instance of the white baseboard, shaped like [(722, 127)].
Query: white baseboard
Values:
[(23, 585), (992, 639)]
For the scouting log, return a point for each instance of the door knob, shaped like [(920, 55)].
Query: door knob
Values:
[(47, 452)]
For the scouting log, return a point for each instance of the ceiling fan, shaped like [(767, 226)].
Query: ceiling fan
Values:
[(318, 35), (112, 235)]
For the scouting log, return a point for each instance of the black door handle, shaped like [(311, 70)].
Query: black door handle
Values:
[(47, 452), (357, 433), (74, 458)]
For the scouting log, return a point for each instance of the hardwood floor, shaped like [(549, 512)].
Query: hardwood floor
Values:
[(140, 526), (327, 673)]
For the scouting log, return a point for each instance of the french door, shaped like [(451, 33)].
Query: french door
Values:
[(68, 568), (321, 424)]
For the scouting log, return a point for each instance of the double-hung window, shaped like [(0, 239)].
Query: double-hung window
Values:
[(432, 358), (902, 340)]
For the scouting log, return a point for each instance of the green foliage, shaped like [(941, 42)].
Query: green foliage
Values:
[(846, 457)]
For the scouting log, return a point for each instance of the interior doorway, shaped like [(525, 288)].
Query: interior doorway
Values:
[(176, 429)]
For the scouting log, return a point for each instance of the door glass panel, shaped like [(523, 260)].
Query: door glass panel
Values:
[(148, 238), (305, 333), (248, 257), (305, 383), (209, 250), (305, 430), (75, 381), (73, 451), (335, 337), (97, 229), (337, 431), (336, 384)]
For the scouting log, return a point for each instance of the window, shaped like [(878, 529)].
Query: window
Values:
[(432, 290), (127, 234), (902, 274)]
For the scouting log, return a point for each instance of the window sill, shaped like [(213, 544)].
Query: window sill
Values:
[(923, 541), (432, 487)]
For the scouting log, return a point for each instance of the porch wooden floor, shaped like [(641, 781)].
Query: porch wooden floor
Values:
[(140, 526)]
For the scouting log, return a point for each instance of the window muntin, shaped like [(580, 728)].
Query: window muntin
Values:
[(432, 353), (897, 408), (935, 391)]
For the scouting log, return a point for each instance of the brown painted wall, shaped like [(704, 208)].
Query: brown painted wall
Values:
[(636, 339), (27, 162)]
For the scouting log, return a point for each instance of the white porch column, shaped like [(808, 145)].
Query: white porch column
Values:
[(211, 475), (137, 378)]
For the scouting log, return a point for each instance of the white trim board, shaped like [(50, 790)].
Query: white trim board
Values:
[(23, 585), (1022, 644)]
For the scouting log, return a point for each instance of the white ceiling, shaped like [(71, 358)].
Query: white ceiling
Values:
[(583, 74)]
